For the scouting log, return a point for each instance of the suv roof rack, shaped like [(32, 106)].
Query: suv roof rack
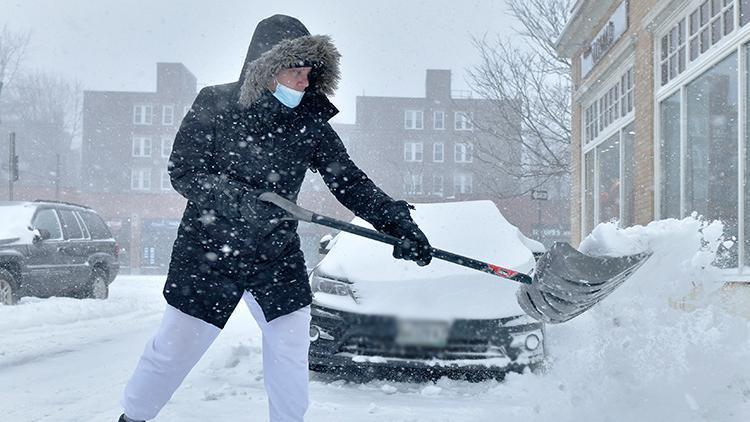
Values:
[(62, 202)]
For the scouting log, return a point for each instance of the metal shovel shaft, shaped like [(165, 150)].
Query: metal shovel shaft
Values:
[(303, 214)]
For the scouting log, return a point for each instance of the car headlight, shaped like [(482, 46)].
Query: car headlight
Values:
[(532, 342), (330, 286)]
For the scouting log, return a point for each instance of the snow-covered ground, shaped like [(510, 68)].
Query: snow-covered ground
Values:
[(644, 354)]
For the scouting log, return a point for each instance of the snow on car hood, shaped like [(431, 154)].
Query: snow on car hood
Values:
[(441, 290), (15, 219)]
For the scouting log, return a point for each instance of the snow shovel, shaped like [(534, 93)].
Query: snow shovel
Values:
[(564, 283)]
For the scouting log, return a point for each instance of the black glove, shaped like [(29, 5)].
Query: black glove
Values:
[(414, 245)]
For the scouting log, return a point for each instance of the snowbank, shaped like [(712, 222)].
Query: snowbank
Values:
[(639, 355)]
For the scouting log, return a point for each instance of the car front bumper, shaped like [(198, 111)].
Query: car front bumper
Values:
[(346, 342)]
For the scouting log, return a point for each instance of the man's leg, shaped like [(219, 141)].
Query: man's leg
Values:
[(286, 342), (168, 357)]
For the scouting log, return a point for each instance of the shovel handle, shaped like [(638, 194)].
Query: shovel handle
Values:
[(302, 214)]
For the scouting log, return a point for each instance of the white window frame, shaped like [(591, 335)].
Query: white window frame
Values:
[(435, 184), (605, 112), (140, 179), (413, 184), (463, 121), (166, 146), (438, 146), (413, 152), (141, 147), (143, 114), (727, 40), (734, 42), (463, 152), (463, 184), (435, 120), (595, 132), (413, 119), (167, 115)]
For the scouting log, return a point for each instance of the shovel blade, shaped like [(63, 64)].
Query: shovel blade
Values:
[(567, 282)]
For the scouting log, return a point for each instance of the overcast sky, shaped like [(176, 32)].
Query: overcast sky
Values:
[(386, 44)]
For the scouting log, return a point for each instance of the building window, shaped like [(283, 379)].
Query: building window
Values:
[(673, 52), (462, 121), (591, 122), (413, 151), (627, 100), (463, 184), (167, 115), (437, 184), (438, 121), (166, 146), (413, 119), (608, 169), (463, 153), (142, 114), (438, 152), (141, 146), (140, 179), (609, 180), (413, 184), (166, 183), (617, 102), (669, 146), (711, 183), (705, 25), (588, 193), (699, 166)]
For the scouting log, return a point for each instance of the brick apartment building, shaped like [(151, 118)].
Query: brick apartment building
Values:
[(425, 149), (660, 124), (127, 140)]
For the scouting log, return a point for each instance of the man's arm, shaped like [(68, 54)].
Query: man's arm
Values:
[(347, 182), (356, 191)]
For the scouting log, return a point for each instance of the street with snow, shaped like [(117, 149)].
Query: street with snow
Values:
[(670, 344)]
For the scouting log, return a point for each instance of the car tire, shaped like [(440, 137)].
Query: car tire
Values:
[(8, 294), (97, 287)]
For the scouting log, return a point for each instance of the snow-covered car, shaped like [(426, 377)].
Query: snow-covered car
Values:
[(50, 248), (373, 314)]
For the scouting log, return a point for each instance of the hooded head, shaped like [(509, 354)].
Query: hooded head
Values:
[(282, 42)]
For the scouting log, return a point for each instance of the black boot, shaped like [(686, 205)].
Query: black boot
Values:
[(124, 419)]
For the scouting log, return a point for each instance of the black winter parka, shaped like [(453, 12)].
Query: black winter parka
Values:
[(238, 136)]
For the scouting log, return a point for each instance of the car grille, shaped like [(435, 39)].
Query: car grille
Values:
[(454, 350)]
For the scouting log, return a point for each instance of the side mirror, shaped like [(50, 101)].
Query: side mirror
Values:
[(41, 234), (324, 244)]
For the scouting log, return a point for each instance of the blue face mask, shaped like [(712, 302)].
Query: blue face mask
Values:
[(288, 96)]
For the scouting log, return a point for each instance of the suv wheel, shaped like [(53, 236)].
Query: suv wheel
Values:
[(98, 288), (7, 293)]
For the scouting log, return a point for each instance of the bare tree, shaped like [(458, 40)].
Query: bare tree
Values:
[(42, 98), (528, 87), (12, 49)]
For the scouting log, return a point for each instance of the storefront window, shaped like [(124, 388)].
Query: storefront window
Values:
[(669, 116), (608, 154), (711, 155), (628, 176), (747, 162), (588, 222)]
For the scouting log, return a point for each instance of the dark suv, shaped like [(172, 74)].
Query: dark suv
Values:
[(54, 249)]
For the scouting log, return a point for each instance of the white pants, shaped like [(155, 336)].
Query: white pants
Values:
[(180, 342)]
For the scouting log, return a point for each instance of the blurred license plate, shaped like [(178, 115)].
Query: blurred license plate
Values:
[(422, 333)]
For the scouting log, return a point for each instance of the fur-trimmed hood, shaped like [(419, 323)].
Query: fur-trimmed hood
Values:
[(281, 42)]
